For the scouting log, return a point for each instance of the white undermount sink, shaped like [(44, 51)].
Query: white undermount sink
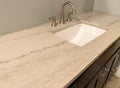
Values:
[(80, 34)]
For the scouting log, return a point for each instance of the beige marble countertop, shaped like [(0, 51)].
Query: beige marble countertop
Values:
[(36, 58)]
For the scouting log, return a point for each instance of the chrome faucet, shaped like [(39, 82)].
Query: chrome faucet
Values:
[(62, 18)]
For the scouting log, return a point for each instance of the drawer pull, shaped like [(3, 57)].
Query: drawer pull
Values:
[(106, 69), (102, 75)]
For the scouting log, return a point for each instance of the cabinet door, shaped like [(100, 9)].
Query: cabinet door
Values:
[(101, 77), (116, 63), (99, 80), (94, 83), (104, 73)]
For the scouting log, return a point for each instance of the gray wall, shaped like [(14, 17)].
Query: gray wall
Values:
[(20, 14), (110, 6)]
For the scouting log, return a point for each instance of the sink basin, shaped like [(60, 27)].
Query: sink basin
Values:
[(80, 34)]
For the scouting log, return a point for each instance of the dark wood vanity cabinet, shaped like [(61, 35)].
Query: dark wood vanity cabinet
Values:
[(115, 64), (101, 77), (101, 70), (74, 84)]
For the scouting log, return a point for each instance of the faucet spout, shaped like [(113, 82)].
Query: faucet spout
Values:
[(62, 19)]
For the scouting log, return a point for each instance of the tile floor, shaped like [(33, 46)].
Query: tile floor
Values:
[(114, 82), (118, 72)]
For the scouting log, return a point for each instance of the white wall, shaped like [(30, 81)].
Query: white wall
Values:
[(20, 14), (110, 6)]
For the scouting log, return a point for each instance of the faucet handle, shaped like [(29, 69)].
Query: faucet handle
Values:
[(69, 18), (53, 17), (54, 23)]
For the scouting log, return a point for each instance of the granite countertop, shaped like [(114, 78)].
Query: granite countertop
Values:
[(36, 58)]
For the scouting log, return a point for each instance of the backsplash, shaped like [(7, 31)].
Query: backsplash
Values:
[(110, 6), (20, 14)]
